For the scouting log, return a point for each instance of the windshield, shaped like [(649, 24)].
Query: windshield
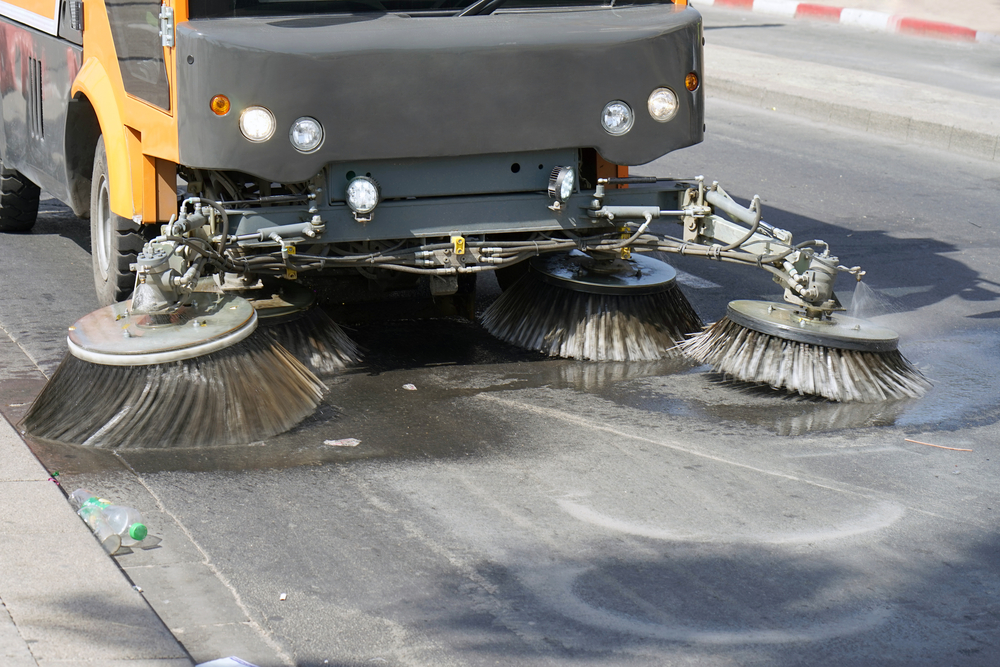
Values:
[(203, 9)]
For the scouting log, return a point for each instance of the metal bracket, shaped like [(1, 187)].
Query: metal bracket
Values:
[(166, 26), (316, 224), (287, 250)]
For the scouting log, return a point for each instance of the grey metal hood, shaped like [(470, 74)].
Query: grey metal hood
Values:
[(389, 86)]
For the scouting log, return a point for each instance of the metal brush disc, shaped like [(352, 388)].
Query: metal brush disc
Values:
[(112, 337), (787, 321), (577, 271)]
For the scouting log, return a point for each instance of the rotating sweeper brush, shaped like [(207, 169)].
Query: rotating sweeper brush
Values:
[(173, 366), (834, 356), (806, 345), (202, 375), (598, 308)]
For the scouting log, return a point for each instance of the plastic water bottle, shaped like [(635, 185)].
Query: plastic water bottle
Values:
[(127, 523), (90, 508), (107, 520)]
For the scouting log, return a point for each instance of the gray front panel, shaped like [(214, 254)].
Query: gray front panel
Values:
[(390, 87), (36, 72), (443, 177), (431, 217)]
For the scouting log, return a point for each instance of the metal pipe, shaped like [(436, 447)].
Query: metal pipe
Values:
[(735, 210), (637, 212), (282, 231)]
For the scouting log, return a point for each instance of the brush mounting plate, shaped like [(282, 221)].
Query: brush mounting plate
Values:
[(275, 301), (111, 336), (579, 272), (790, 323), (279, 301)]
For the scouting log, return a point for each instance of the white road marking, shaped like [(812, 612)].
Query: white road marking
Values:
[(883, 516)]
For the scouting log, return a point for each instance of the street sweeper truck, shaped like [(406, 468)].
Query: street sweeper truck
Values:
[(223, 149)]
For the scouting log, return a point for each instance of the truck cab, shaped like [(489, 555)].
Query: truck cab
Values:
[(339, 136)]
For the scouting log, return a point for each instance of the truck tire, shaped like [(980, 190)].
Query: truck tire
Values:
[(114, 241), (18, 201)]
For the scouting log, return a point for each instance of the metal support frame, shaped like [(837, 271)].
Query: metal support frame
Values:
[(284, 239)]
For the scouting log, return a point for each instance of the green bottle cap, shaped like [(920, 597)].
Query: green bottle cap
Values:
[(137, 531)]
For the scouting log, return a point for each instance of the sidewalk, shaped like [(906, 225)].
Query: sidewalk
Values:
[(973, 20), (949, 120), (62, 599)]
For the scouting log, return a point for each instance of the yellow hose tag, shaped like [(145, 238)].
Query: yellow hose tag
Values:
[(626, 252), (458, 243), (289, 273)]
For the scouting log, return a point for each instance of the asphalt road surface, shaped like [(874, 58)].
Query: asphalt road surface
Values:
[(518, 510)]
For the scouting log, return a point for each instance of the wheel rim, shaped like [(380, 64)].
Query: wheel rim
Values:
[(104, 230)]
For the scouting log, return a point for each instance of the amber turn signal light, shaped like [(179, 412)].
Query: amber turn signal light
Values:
[(220, 105), (691, 81)]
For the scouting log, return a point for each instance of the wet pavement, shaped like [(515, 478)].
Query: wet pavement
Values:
[(515, 509)]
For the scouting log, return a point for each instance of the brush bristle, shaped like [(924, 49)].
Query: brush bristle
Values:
[(317, 341), (252, 390), (836, 374), (536, 315)]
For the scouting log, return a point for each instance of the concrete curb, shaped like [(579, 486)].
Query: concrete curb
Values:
[(862, 18), (947, 120), (63, 600)]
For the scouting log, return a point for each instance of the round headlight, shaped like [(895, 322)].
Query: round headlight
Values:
[(362, 194), (257, 124), (561, 183), (617, 118), (662, 104), (306, 134)]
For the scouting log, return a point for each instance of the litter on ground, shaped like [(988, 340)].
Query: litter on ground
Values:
[(346, 442)]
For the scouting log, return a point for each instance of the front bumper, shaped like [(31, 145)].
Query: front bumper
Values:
[(473, 215)]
